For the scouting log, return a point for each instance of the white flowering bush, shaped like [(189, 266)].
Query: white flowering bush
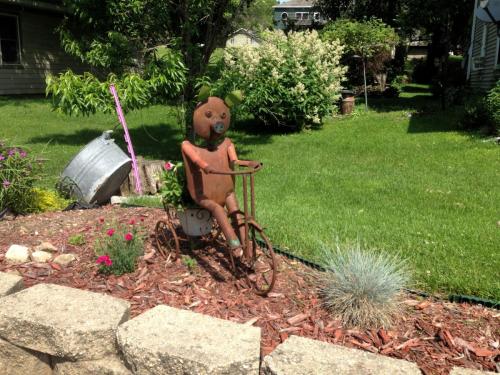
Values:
[(289, 80)]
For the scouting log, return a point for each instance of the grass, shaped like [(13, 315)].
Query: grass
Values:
[(399, 178)]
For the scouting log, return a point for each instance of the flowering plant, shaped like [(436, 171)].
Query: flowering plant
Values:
[(288, 80), (119, 247), (173, 190), (18, 172)]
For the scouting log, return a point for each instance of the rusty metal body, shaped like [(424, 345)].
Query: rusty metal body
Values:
[(210, 177)]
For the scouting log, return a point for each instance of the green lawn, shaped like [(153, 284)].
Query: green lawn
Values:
[(404, 184)]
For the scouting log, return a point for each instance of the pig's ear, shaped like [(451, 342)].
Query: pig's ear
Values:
[(203, 94), (234, 98)]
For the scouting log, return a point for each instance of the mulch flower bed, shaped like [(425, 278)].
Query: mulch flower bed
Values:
[(435, 334)]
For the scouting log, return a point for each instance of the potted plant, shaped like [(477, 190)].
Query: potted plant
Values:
[(195, 221)]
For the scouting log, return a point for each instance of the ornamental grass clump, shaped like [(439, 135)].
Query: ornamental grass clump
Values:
[(363, 288), (119, 247)]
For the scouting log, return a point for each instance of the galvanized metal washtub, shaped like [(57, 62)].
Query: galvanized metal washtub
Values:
[(98, 170)]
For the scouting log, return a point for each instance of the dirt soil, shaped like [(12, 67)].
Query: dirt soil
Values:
[(435, 334)]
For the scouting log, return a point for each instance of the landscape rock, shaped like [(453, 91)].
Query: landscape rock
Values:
[(62, 321), (46, 246), (165, 340), (111, 365), (17, 254), (116, 199), (40, 256), (10, 283), (19, 361), (65, 259), (301, 356), (468, 371)]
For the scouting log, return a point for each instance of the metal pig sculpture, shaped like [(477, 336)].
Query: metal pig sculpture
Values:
[(215, 192)]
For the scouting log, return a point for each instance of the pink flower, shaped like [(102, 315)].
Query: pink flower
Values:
[(129, 236), (2, 157), (22, 153), (101, 220), (110, 232), (6, 183), (168, 166), (104, 259), (131, 222)]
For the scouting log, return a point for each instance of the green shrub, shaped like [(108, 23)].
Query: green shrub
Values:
[(48, 200), (362, 288), (483, 113), (119, 247), (288, 80), (493, 105), (18, 172), (173, 186)]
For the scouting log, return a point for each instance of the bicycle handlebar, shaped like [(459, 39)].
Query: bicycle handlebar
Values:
[(240, 172)]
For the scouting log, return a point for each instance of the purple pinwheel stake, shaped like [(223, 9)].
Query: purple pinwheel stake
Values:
[(138, 186)]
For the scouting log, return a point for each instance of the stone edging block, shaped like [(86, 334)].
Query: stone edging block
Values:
[(19, 361), (10, 284), (468, 371), (62, 321), (301, 356), (111, 365), (165, 340)]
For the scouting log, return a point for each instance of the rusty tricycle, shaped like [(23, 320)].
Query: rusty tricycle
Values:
[(257, 263)]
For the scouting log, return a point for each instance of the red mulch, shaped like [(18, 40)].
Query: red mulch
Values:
[(437, 335)]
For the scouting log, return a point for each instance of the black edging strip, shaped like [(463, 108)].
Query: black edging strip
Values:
[(452, 297)]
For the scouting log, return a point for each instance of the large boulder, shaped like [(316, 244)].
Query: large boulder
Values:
[(62, 321), (165, 340), (19, 361), (10, 283), (301, 356)]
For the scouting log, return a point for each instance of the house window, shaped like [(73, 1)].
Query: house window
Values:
[(9, 40), (284, 16), (316, 16), (301, 16), (483, 41)]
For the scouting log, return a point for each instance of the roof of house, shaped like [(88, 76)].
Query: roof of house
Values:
[(296, 4), (249, 33)]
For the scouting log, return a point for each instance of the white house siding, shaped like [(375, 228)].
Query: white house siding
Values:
[(241, 39), (41, 54), (484, 78)]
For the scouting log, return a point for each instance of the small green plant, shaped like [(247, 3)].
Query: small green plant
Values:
[(18, 173), (173, 190), (493, 105), (48, 200), (77, 240), (362, 287), (189, 262), (119, 247)]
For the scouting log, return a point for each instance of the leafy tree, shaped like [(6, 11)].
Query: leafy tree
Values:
[(257, 17), (372, 40), (153, 50)]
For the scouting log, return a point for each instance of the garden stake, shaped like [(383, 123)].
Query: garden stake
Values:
[(130, 148)]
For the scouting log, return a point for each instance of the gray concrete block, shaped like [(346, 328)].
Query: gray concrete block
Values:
[(111, 365), (165, 340), (10, 284), (301, 356), (62, 321), (468, 371), (19, 361)]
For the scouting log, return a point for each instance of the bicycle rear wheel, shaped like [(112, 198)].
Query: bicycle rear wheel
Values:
[(261, 268)]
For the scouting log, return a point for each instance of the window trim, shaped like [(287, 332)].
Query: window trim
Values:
[(484, 37), (497, 56), (19, 54)]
